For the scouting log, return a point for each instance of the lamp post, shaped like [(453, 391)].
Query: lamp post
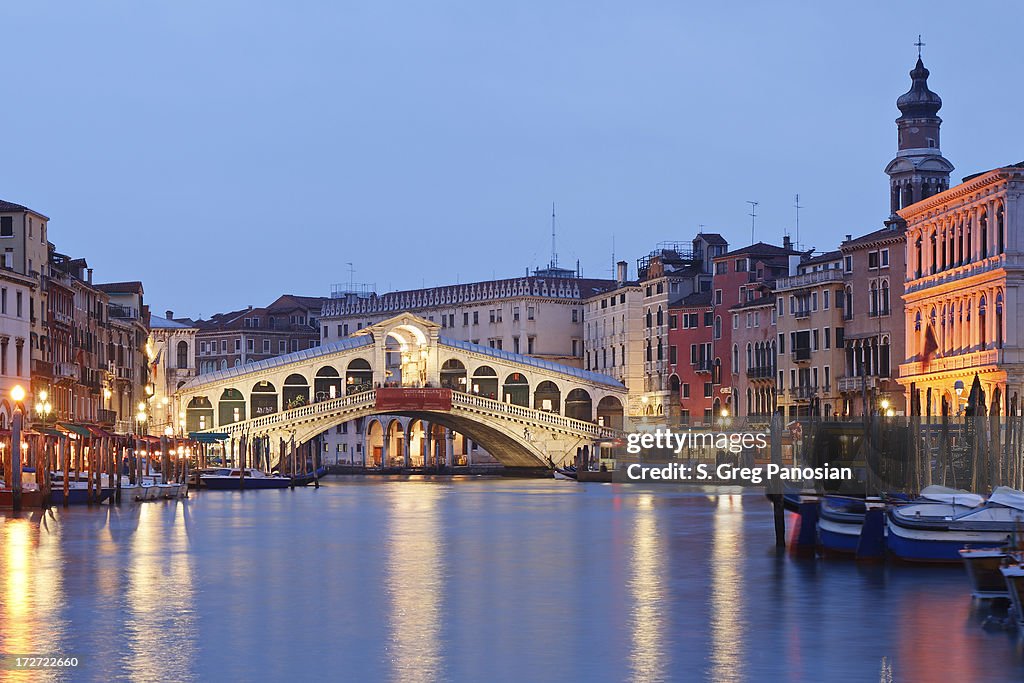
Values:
[(140, 419), (958, 387), (17, 395)]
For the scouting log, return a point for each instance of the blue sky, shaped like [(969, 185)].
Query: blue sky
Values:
[(225, 152)]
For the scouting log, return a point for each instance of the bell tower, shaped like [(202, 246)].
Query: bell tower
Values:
[(919, 169)]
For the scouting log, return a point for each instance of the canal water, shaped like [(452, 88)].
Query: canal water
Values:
[(471, 580)]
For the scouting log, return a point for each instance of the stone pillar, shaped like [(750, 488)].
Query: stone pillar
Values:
[(407, 437), (384, 446), (449, 448)]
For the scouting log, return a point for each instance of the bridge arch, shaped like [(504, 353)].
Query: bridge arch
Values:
[(326, 383), (358, 376), (230, 407), (485, 382), (263, 399), (579, 405), (199, 414), (296, 390), (516, 389), (609, 412), (547, 397), (453, 374)]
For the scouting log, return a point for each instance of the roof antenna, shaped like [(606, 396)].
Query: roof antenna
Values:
[(796, 205), (614, 266), (554, 254), (753, 215)]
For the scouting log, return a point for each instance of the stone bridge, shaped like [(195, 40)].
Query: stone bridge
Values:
[(525, 411)]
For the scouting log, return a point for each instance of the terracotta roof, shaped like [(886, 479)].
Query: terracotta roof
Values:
[(133, 287), (884, 233), (761, 249), (822, 258), (9, 207)]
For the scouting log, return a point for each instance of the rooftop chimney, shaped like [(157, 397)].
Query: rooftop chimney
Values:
[(169, 314), (786, 243), (622, 271), (89, 272), (849, 237)]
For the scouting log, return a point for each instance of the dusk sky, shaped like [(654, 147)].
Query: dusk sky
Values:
[(227, 152)]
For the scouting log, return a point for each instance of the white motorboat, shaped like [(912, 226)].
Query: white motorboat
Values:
[(936, 531)]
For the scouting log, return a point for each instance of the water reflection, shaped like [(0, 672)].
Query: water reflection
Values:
[(727, 545), (415, 582), (647, 655), (159, 596), (32, 589)]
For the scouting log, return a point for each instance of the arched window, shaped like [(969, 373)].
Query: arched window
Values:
[(750, 356), (659, 350), (182, 355), (648, 319), (983, 224), (735, 358), (885, 298), (917, 322), (873, 299), (648, 350), (1000, 235), (982, 306), (661, 317), (718, 327), (999, 319), (848, 306)]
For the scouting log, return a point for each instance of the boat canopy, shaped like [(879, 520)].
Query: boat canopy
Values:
[(1007, 497), (944, 494)]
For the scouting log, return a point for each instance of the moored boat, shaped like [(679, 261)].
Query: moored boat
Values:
[(1013, 575), (566, 473), (983, 565), (839, 524), (231, 480), (937, 527), (78, 493), (307, 478)]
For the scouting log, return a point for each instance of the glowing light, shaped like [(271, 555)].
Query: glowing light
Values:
[(18, 393), (43, 395)]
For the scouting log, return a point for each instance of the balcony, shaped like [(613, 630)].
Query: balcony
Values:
[(105, 417), (803, 393), (763, 372), (703, 365), (957, 362), (799, 315), (122, 372), (809, 279), (855, 384), (802, 355), (66, 371), (122, 312), (42, 369)]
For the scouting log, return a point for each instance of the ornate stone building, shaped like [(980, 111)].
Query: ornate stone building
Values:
[(964, 286)]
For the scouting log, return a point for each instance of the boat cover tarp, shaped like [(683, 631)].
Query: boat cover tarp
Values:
[(1008, 497), (944, 494)]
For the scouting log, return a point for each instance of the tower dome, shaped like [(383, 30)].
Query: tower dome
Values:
[(919, 101)]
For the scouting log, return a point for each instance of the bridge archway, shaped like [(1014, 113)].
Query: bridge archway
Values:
[(547, 397), (263, 399), (579, 405), (326, 383), (358, 376), (516, 390), (199, 414), (296, 391), (231, 407), (453, 375), (373, 452), (485, 382), (609, 412)]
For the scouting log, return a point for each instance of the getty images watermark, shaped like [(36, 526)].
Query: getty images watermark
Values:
[(663, 441)]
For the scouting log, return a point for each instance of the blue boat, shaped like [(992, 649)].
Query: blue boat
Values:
[(839, 524), (307, 478), (940, 524), (231, 480), (78, 494)]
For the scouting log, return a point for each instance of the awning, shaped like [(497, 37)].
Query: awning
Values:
[(75, 429), (99, 431), (48, 431), (208, 437)]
